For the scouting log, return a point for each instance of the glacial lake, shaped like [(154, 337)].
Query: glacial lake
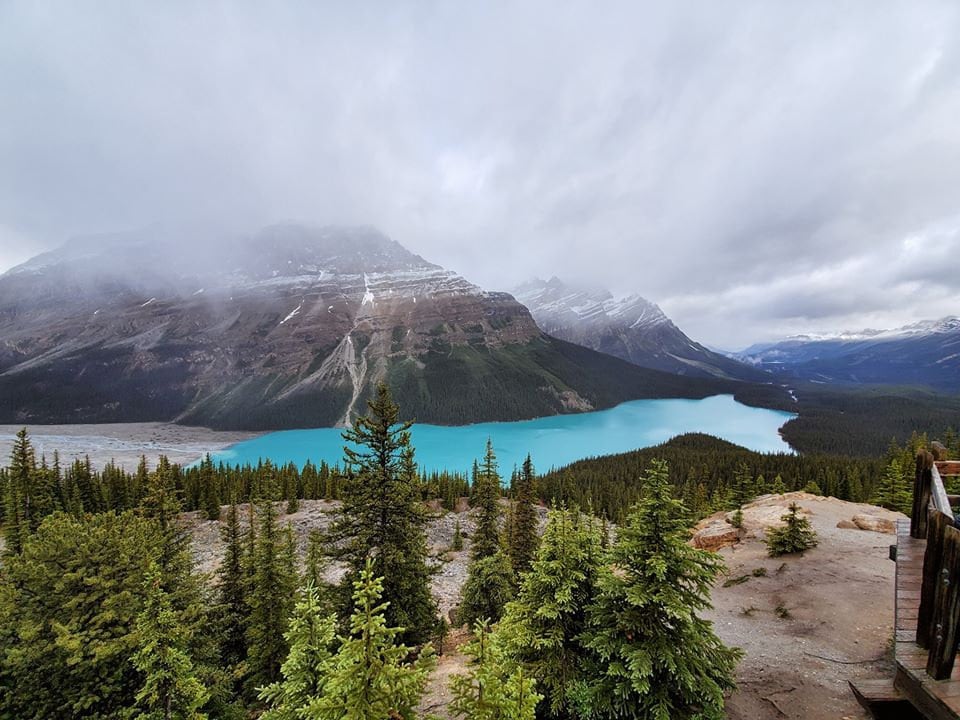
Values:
[(551, 441)]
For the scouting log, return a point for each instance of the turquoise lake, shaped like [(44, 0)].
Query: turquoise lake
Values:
[(551, 441)]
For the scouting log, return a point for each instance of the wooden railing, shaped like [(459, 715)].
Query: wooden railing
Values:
[(938, 619)]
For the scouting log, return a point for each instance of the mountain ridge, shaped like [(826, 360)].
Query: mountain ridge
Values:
[(290, 326), (631, 328)]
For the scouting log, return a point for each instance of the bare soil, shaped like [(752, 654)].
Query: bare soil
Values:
[(813, 622)]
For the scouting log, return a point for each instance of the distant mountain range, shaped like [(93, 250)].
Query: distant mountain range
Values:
[(290, 327), (631, 328), (925, 353)]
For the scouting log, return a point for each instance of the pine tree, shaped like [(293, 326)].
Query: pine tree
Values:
[(208, 489), (487, 589), (778, 486), (541, 628), (488, 692), (310, 636), (371, 675), (489, 584), (457, 544), (20, 517), (170, 690), (271, 600), (486, 536), (651, 656), (794, 536), (69, 604), (891, 492), (382, 517), (231, 586), (523, 542), (315, 569)]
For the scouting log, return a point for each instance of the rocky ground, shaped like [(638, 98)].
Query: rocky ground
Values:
[(807, 624), (122, 443)]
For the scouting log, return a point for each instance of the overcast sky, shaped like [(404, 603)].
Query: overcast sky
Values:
[(757, 168)]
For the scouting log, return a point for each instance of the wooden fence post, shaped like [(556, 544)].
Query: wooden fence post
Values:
[(921, 495), (944, 636), (932, 564)]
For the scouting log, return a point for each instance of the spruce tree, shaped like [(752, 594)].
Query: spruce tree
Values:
[(650, 654), (69, 604), (311, 637), (541, 628), (794, 536), (371, 676), (170, 690), (232, 607), (486, 536), (271, 600), (487, 589), (20, 517), (523, 542), (382, 517), (488, 691), (489, 584), (892, 492), (457, 544)]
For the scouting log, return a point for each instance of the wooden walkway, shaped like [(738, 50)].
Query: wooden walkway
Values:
[(935, 698)]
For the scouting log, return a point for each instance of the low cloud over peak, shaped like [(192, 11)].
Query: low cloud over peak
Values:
[(758, 169)]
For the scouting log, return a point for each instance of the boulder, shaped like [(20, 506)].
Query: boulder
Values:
[(716, 535), (847, 525), (875, 524)]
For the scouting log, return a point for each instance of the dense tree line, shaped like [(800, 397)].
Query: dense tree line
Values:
[(711, 474)]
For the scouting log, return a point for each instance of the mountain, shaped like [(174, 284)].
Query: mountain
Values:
[(288, 327), (924, 353), (630, 328)]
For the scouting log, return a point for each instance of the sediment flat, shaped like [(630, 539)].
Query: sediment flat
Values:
[(123, 443)]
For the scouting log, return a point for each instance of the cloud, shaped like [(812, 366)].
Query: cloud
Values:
[(755, 167)]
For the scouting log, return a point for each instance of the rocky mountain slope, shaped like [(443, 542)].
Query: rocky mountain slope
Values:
[(288, 327), (631, 328), (925, 353)]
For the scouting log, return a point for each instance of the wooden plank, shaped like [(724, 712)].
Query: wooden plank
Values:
[(921, 495), (948, 467), (932, 565), (922, 696), (945, 638), (940, 499)]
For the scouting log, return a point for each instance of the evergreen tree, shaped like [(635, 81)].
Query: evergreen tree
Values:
[(488, 692), (457, 544), (271, 600), (311, 636), (651, 656), (315, 569), (794, 536), (371, 676), (523, 541), (208, 489), (487, 589), (891, 492), (382, 517), (778, 486), (69, 604), (170, 690), (231, 586), (20, 517), (541, 628), (486, 536)]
